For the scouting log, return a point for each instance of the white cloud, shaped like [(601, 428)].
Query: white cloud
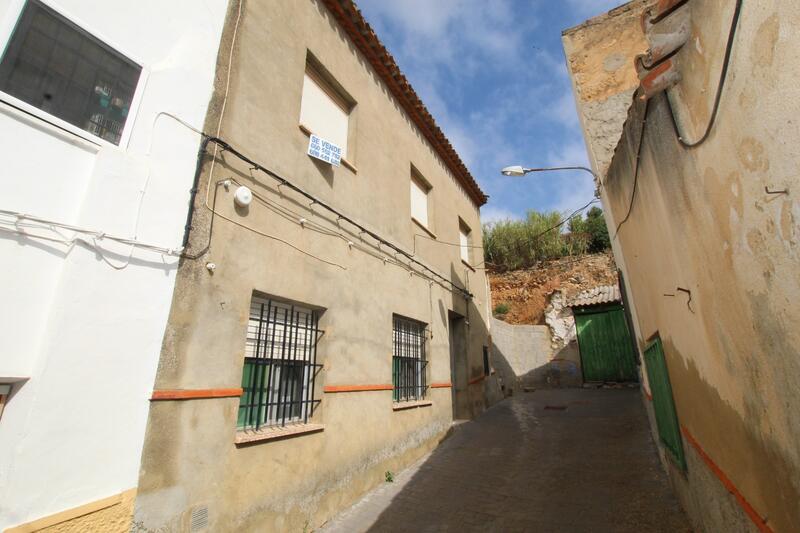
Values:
[(490, 214)]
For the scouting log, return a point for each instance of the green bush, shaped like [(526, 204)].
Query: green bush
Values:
[(501, 309), (514, 244)]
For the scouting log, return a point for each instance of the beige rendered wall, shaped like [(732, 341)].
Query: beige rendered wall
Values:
[(703, 221), (190, 460)]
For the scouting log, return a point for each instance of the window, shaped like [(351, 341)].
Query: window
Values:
[(324, 110), (669, 430), (463, 240), (486, 368), (280, 364), (408, 360), (53, 65), (419, 199)]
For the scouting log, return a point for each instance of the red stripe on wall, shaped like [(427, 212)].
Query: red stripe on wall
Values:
[(477, 379), (760, 522), (194, 394), (443, 385), (355, 388)]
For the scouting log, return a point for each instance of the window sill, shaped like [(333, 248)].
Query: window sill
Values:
[(345, 163), (424, 227), (275, 433), (402, 406)]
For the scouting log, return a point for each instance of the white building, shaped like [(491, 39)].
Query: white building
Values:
[(84, 86)]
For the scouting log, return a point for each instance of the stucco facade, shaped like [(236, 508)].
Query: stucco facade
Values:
[(710, 255), (191, 460), (84, 315)]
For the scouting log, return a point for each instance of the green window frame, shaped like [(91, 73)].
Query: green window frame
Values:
[(669, 430)]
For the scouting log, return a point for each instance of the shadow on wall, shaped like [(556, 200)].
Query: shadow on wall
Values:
[(529, 357)]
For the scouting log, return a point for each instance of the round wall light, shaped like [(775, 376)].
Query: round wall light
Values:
[(243, 196)]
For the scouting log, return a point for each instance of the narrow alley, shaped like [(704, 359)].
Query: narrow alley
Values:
[(558, 460)]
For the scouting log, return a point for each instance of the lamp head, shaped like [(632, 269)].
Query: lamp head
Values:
[(515, 170)]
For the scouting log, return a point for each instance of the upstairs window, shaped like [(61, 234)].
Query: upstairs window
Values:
[(409, 363), (280, 365), (325, 109), (419, 200), (57, 67), (464, 240)]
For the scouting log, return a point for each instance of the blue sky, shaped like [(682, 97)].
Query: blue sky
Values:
[(493, 74)]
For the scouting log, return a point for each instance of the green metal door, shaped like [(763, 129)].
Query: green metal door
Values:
[(605, 345), (663, 404)]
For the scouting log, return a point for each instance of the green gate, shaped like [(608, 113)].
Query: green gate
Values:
[(605, 344)]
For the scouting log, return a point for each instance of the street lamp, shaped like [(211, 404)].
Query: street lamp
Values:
[(518, 170)]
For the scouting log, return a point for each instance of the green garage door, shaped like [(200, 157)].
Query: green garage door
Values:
[(605, 344)]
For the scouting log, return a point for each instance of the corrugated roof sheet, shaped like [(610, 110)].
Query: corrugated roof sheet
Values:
[(597, 295)]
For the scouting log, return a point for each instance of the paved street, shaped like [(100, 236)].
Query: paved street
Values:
[(569, 460)]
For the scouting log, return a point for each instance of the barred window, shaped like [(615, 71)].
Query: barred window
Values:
[(280, 364), (408, 360), (56, 66)]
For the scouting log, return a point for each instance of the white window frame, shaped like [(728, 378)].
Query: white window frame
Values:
[(416, 180), (465, 247), (317, 76), (52, 122)]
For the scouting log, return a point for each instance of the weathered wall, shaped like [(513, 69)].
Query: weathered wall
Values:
[(518, 352), (536, 356), (600, 55), (703, 221), (80, 338), (190, 459)]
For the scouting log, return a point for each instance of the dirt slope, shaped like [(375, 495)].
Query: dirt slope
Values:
[(526, 291)]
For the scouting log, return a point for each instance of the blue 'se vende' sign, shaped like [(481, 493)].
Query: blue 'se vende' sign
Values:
[(324, 150)]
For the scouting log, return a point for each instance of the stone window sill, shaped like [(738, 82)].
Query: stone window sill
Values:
[(402, 406), (275, 433), (424, 228), (347, 164)]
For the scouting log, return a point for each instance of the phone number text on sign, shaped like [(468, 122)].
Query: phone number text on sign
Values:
[(324, 150)]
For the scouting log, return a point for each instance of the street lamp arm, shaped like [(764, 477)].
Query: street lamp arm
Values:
[(546, 169)]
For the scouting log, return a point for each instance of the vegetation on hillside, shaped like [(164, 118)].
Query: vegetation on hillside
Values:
[(515, 244)]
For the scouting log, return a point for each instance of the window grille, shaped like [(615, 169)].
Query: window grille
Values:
[(56, 66), (280, 365), (409, 381)]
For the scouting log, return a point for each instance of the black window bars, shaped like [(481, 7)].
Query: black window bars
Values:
[(280, 365), (409, 380)]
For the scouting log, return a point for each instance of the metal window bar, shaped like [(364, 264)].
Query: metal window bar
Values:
[(280, 365), (409, 379)]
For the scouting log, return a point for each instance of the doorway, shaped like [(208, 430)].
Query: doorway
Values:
[(457, 329)]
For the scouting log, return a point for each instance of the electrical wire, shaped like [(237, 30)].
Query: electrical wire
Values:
[(720, 86), (79, 232), (636, 170), (283, 182)]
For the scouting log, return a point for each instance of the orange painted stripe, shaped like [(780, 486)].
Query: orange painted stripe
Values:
[(355, 388), (477, 380), (194, 394), (444, 385), (760, 522)]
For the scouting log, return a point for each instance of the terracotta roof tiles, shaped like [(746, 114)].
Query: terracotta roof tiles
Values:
[(361, 33)]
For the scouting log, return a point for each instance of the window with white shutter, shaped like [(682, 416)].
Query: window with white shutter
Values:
[(463, 240), (419, 200), (323, 110)]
